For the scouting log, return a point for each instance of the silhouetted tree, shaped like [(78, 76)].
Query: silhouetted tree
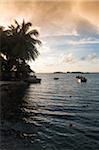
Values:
[(19, 45)]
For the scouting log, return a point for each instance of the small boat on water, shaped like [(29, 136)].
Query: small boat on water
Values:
[(33, 79), (56, 78), (81, 79)]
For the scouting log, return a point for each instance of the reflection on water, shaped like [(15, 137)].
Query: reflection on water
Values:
[(53, 115)]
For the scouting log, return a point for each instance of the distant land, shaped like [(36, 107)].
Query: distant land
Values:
[(59, 72), (79, 72), (75, 72), (67, 72)]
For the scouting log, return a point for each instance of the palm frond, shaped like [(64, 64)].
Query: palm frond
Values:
[(16, 23), (34, 32)]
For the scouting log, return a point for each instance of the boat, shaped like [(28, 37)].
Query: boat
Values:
[(81, 79), (56, 78), (33, 79)]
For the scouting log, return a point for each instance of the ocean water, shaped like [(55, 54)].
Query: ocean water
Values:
[(54, 115)]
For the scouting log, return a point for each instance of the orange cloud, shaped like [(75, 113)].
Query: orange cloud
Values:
[(51, 16), (90, 10)]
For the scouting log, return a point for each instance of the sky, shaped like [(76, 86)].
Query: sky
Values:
[(69, 31)]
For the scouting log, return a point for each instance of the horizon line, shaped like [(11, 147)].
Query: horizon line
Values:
[(69, 72)]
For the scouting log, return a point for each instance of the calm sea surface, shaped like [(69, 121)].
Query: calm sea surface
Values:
[(54, 115)]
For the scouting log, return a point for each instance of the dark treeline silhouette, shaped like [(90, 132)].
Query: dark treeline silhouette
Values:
[(17, 47)]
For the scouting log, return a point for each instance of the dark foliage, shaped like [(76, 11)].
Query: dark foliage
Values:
[(18, 45)]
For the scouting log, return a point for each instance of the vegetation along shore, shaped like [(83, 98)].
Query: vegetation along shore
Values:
[(18, 47)]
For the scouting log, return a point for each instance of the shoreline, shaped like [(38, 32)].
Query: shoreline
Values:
[(11, 83)]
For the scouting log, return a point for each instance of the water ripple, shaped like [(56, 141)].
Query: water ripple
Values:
[(55, 115)]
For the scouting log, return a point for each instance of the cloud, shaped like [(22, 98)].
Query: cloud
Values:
[(69, 58), (53, 17), (90, 9), (45, 15), (69, 27), (84, 28), (83, 58), (90, 57), (44, 49), (84, 41)]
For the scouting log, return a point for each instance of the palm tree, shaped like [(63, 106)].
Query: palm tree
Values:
[(23, 42), (19, 45), (3, 47), (3, 40)]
